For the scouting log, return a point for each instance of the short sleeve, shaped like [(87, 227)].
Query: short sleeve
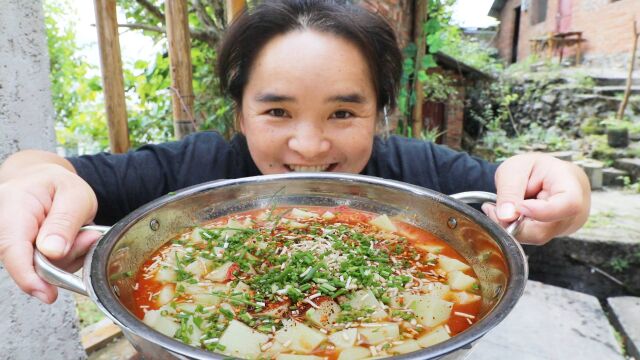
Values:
[(429, 165), (123, 182)]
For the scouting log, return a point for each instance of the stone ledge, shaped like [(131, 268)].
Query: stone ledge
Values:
[(630, 165), (614, 217), (586, 266), (625, 314), (551, 323)]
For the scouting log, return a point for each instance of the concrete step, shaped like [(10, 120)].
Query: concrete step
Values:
[(99, 334), (630, 165), (611, 90), (118, 349), (625, 313), (551, 323), (613, 177), (614, 80)]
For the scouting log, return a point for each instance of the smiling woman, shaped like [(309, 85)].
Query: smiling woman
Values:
[(310, 84), (309, 79), (318, 111)]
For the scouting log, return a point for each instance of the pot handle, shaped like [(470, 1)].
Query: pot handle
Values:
[(479, 197), (58, 277)]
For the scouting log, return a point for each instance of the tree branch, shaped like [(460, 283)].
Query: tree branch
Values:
[(209, 36), (154, 10), (201, 12), (144, 27), (220, 17)]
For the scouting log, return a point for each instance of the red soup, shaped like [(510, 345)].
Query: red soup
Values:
[(307, 283)]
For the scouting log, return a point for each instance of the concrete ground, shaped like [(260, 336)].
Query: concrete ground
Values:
[(552, 322), (615, 216)]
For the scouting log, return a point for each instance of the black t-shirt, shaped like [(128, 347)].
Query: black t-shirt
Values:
[(123, 182)]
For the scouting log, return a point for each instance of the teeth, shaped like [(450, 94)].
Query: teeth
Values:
[(316, 168)]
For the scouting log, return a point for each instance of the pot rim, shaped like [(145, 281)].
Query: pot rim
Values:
[(99, 291)]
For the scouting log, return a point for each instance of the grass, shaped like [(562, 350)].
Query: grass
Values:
[(88, 312), (600, 219)]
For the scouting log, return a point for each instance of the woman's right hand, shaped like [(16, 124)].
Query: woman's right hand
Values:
[(46, 204)]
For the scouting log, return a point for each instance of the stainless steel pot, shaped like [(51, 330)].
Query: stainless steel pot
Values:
[(493, 253)]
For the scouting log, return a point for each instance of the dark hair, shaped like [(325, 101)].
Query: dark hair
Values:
[(249, 33)]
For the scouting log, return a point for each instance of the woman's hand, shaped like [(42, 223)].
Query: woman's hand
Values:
[(553, 195), (45, 203)]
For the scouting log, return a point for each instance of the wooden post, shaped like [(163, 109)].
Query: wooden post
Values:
[(180, 61), (420, 17), (234, 7), (579, 51), (112, 79), (632, 63)]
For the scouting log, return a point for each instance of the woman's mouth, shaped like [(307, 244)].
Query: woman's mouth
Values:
[(310, 168)]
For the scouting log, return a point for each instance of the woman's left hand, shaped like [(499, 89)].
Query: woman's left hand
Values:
[(553, 195)]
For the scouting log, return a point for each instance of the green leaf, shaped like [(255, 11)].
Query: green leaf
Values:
[(95, 84), (435, 43), (428, 62), (140, 64), (432, 26), (410, 50), (422, 76)]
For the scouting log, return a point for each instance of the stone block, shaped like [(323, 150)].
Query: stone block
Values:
[(551, 323), (625, 312), (631, 165), (562, 155), (613, 177), (593, 169)]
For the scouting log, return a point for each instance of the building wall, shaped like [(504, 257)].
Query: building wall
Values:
[(30, 329), (605, 24), (399, 13)]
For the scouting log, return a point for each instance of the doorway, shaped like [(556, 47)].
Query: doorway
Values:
[(516, 35)]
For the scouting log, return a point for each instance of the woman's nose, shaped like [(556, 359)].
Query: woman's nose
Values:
[(309, 141)]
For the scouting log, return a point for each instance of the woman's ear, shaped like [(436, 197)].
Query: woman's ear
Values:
[(239, 122)]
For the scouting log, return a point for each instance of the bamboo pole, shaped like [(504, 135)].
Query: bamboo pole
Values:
[(632, 63), (234, 7), (420, 17), (112, 79), (180, 62)]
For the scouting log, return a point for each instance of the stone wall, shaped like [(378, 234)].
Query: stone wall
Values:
[(606, 25), (30, 329)]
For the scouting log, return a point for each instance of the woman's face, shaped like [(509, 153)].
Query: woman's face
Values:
[(309, 105)]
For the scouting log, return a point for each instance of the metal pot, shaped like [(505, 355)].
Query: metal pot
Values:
[(496, 257)]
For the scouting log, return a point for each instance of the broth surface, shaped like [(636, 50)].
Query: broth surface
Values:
[(307, 283)]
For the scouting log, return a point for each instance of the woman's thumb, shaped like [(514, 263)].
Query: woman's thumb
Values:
[(71, 208)]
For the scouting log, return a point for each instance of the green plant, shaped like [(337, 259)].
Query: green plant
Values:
[(81, 124), (75, 86), (619, 264), (613, 122), (592, 126), (600, 219), (585, 81), (629, 185), (440, 36), (439, 88), (431, 135)]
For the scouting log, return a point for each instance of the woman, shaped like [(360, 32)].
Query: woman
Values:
[(310, 80)]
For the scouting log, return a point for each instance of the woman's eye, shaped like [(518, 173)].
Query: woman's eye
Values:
[(277, 112), (342, 114)]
